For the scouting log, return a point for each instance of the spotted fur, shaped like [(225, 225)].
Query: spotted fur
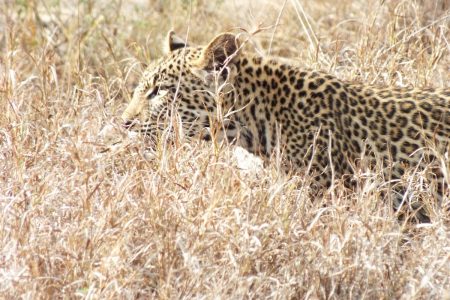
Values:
[(318, 120)]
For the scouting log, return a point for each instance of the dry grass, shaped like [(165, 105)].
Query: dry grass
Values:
[(184, 221)]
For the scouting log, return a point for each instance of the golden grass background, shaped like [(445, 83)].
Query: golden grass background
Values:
[(185, 220)]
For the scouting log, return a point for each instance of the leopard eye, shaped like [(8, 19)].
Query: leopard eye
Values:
[(152, 93)]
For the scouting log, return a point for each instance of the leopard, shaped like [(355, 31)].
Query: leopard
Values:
[(317, 121)]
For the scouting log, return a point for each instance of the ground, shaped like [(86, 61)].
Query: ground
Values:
[(194, 219)]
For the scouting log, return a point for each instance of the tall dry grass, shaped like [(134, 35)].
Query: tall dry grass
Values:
[(186, 220)]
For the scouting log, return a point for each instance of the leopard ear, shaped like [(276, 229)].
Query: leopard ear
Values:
[(219, 52), (173, 42)]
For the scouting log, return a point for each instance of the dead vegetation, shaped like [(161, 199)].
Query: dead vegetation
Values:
[(184, 221)]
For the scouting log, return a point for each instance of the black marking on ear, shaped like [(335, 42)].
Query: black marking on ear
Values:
[(175, 42), (224, 74), (176, 46)]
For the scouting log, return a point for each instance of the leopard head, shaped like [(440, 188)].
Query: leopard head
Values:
[(182, 86)]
